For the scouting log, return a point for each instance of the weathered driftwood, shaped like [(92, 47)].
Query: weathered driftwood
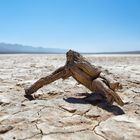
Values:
[(83, 72)]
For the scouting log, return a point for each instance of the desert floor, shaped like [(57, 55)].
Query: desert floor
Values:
[(64, 109)]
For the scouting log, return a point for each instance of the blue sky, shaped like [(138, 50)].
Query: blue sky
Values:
[(82, 25)]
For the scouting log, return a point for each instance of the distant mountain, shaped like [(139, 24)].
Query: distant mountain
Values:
[(17, 48)]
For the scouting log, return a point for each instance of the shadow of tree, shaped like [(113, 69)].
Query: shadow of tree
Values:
[(96, 100), (29, 97)]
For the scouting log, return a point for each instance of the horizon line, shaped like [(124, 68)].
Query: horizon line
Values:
[(83, 52)]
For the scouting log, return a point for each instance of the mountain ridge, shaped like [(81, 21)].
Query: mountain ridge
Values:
[(7, 48), (18, 48)]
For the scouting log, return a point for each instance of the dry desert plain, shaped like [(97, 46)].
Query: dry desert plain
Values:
[(65, 109)]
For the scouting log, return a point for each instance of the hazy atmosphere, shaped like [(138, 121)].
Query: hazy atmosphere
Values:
[(82, 25)]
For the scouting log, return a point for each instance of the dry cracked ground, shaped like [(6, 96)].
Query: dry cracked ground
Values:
[(65, 109)]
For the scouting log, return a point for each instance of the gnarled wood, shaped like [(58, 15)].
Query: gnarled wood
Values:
[(59, 73), (83, 72)]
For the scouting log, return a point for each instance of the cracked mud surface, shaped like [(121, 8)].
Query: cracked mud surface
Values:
[(65, 109)]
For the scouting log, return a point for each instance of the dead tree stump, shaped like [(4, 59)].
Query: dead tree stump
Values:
[(83, 72)]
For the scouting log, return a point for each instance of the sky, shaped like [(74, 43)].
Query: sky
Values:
[(82, 25)]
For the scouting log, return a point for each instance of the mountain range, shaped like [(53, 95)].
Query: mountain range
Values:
[(17, 48), (6, 48)]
